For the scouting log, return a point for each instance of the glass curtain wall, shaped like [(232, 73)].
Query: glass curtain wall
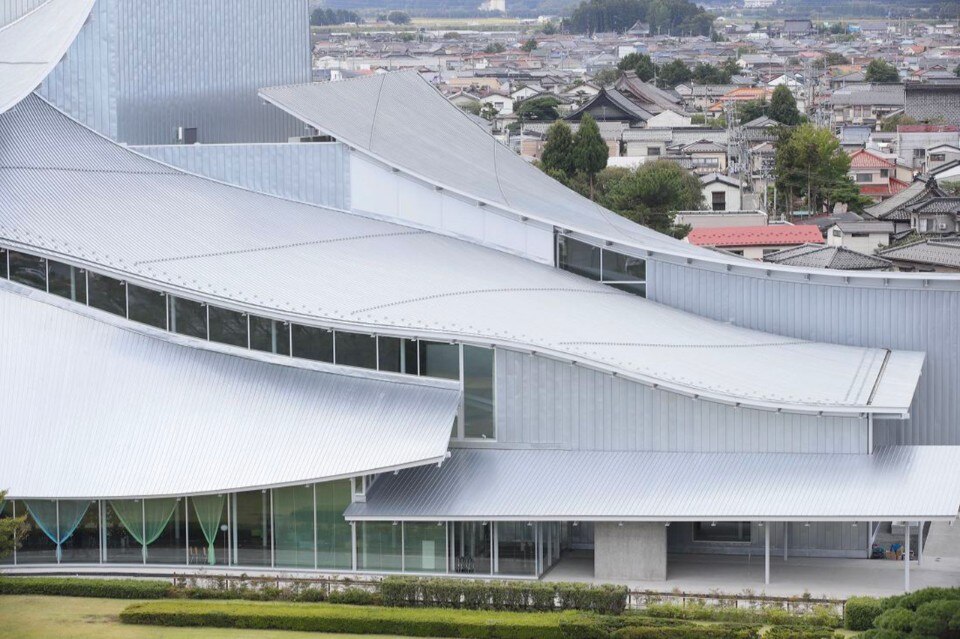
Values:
[(188, 317), (228, 327), (618, 270), (398, 355), (207, 529), (293, 529), (356, 349), (472, 551), (82, 544), (334, 534), (107, 294), (516, 548), (379, 546), (67, 281), (478, 387), (424, 546), (310, 342), (36, 546), (28, 270), (147, 306), (6, 505), (251, 528), (269, 335)]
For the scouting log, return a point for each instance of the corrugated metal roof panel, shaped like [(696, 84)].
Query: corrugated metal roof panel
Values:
[(72, 193), (93, 409), (33, 43), (895, 483)]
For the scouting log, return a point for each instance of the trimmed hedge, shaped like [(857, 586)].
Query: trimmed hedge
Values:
[(859, 613), (821, 616), (79, 587), (799, 632), (421, 622), (502, 595), (688, 631)]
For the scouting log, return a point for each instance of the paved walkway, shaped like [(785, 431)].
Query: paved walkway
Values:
[(818, 577)]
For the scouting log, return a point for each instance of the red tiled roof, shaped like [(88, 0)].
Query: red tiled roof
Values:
[(883, 190), (864, 159), (927, 128), (775, 235)]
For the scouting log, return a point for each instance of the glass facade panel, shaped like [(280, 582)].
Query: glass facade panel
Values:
[(516, 548), (314, 343), (28, 270), (166, 531), (207, 530), (36, 547), (356, 349), (472, 547), (618, 267), (425, 547), (334, 534), (188, 317), (378, 546), (107, 294), (578, 257), (82, 546), (723, 531), (293, 526), (147, 306), (478, 415), (6, 506), (67, 281), (228, 327), (268, 335), (122, 547), (438, 359), (398, 355), (3, 262), (251, 528)]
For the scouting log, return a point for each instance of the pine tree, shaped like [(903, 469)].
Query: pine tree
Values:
[(558, 151), (783, 107), (590, 152)]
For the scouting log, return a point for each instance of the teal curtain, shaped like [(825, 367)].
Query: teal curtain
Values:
[(145, 520), (209, 510), (44, 513)]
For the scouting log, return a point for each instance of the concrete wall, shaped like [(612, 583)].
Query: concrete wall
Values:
[(631, 551), (542, 402)]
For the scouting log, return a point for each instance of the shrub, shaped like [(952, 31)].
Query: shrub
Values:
[(936, 618), (799, 632), (353, 597), (502, 595), (80, 587), (860, 612), (421, 622), (688, 631), (820, 616), (895, 619), (914, 600)]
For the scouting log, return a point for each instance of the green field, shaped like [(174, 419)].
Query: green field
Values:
[(82, 618)]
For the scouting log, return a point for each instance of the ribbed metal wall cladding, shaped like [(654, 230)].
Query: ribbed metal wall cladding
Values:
[(545, 402), (142, 68), (315, 173), (11, 10), (870, 314)]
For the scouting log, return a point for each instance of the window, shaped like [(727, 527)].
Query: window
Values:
[(653, 150), (228, 327), (516, 548), (478, 388), (251, 528), (579, 257), (334, 534), (3, 263), (884, 173), (618, 270), (864, 177), (472, 547), (836, 232), (356, 349), (719, 199), (188, 317), (293, 526), (28, 270), (187, 135), (722, 531), (397, 355), (313, 343), (919, 153), (269, 335), (107, 294), (937, 157), (147, 306), (438, 359), (67, 281), (424, 547), (379, 546)]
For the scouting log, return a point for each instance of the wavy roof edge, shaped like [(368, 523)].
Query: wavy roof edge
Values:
[(654, 243)]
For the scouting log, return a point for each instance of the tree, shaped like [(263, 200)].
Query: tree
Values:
[(590, 152), (495, 47), (706, 73), (542, 109), (605, 77), (846, 191), (488, 111), (558, 151), (880, 71), (398, 17), (891, 123), (325, 17), (653, 193), (809, 161), (831, 59), (783, 107), (641, 64), (673, 73), (529, 45), (11, 528), (752, 109), (679, 17), (956, 71), (549, 29)]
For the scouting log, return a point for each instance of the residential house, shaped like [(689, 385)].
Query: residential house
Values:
[(874, 175), (935, 216), (865, 104), (865, 236), (934, 100), (708, 219), (753, 242), (939, 156), (721, 192), (928, 255), (913, 140), (839, 258), (740, 95)]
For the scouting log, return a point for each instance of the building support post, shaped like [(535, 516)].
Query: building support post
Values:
[(906, 557), (766, 553), (786, 526), (919, 544)]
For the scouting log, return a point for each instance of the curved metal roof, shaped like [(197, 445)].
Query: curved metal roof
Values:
[(73, 195), (34, 42), (94, 406)]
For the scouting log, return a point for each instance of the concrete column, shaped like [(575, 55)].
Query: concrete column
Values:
[(919, 543), (906, 557), (766, 553), (630, 551), (786, 526)]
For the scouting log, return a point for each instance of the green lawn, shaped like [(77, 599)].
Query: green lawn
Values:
[(83, 618)]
